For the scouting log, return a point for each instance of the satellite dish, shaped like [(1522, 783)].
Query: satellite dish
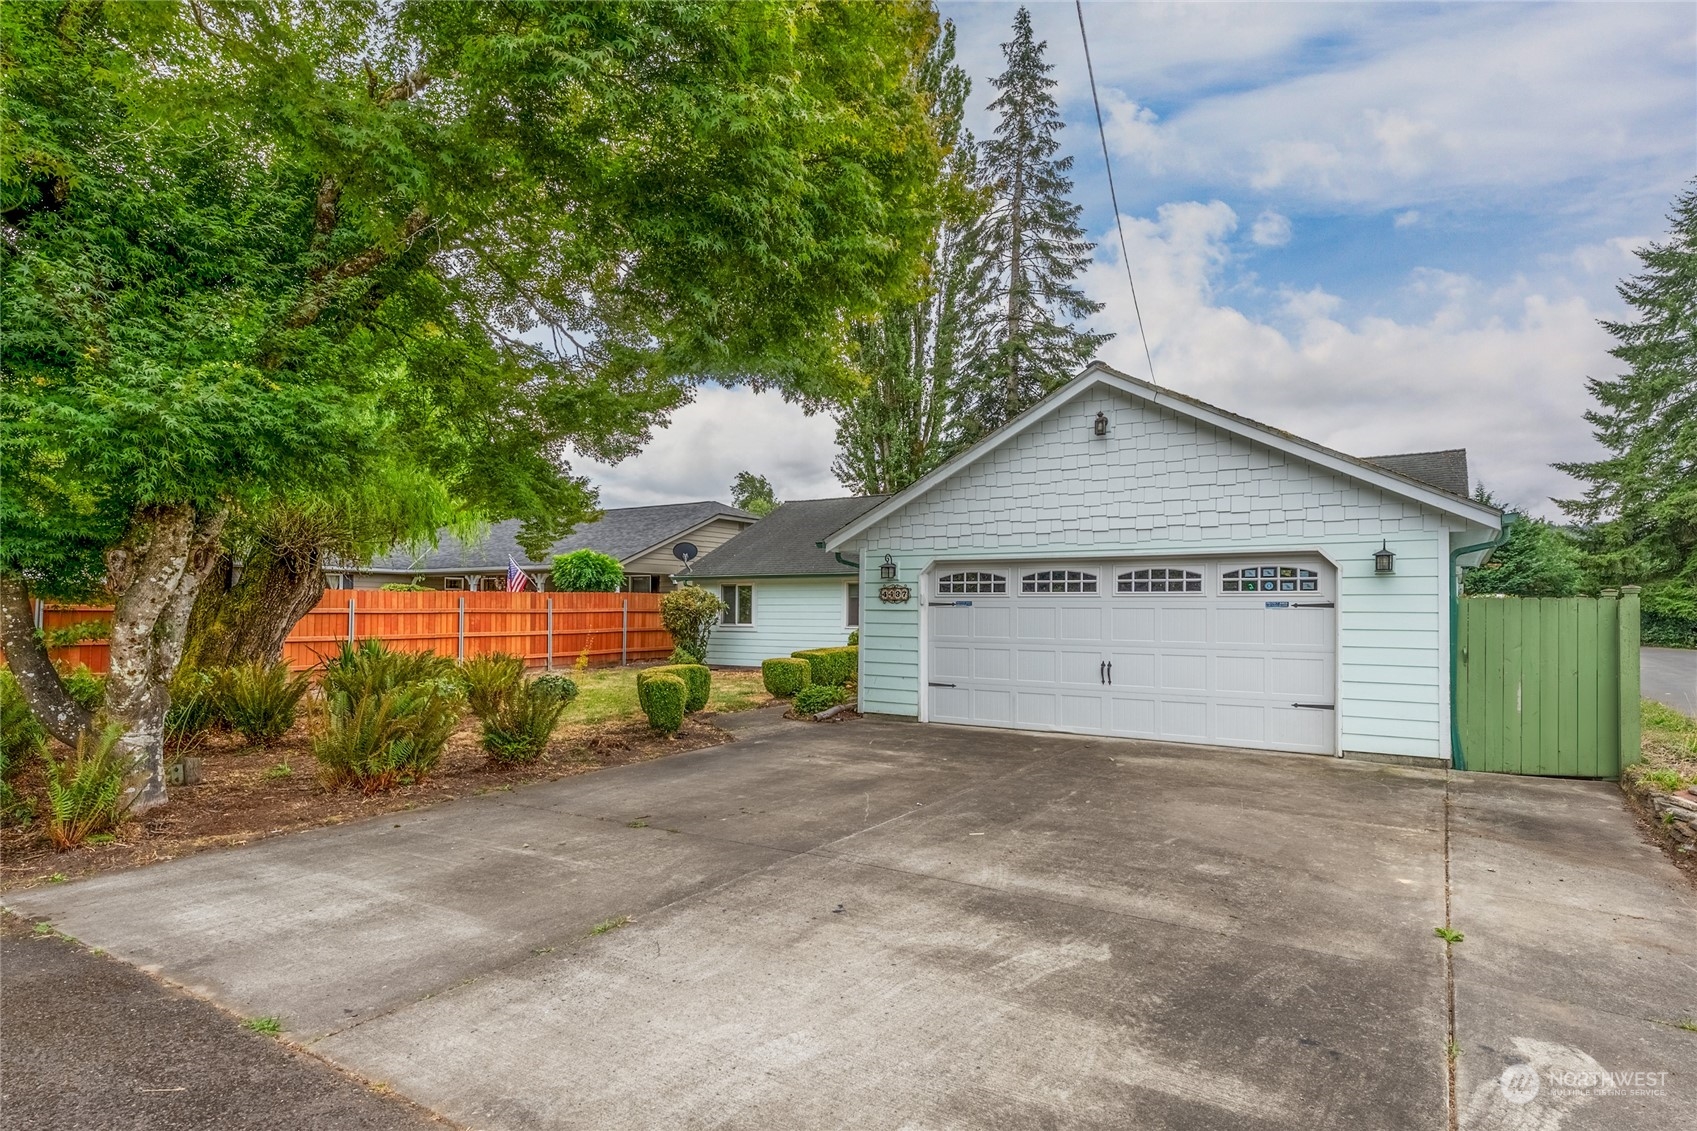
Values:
[(684, 551)]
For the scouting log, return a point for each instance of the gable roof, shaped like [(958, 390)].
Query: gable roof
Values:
[(1097, 374), (786, 542), (1445, 470), (623, 532)]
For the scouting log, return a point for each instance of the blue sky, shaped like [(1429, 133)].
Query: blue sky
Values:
[(1385, 227)]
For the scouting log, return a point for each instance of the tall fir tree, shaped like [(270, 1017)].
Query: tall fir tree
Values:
[(1639, 509), (914, 355), (1034, 243)]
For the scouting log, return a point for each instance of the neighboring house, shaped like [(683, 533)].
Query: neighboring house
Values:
[(1125, 560), (641, 538), (781, 591)]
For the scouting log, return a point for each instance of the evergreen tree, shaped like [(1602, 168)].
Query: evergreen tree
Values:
[(1034, 243), (1538, 559), (914, 355), (1640, 502)]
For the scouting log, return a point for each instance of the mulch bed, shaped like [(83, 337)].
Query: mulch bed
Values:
[(236, 802)]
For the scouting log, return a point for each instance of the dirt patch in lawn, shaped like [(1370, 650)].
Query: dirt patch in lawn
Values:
[(246, 795)]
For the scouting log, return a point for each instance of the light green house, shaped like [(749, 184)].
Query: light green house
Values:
[(782, 592), (1124, 560)]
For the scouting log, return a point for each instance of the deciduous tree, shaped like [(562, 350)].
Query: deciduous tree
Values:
[(256, 252)]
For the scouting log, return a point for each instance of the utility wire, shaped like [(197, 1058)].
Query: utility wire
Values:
[(1102, 131)]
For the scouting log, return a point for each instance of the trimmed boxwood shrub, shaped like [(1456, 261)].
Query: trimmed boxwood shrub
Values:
[(785, 675), (698, 680), (663, 696), (811, 700), (831, 666)]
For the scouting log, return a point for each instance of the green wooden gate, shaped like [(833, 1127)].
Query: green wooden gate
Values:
[(1548, 685)]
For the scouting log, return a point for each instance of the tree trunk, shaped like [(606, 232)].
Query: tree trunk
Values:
[(156, 571), (26, 655), (250, 620)]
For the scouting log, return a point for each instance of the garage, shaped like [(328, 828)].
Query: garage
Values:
[(1237, 651), (1128, 561)]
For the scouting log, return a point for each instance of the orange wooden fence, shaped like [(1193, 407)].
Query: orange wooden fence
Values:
[(610, 628)]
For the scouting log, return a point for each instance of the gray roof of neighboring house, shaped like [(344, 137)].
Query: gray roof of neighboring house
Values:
[(1446, 470), (623, 532), (785, 542)]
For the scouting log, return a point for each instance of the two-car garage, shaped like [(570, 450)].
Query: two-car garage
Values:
[(1235, 651)]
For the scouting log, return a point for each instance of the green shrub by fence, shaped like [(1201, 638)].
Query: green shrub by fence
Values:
[(697, 679), (1548, 685), (663, 694)]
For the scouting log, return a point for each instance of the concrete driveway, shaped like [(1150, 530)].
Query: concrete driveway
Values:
[(1669, 675), (884, 925)]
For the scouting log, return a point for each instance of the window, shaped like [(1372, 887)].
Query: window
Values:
[(852, 619), (639, 583), (739, 604), (1270, 579), (453, 583), (972, 581), (1161, 579), (1058, 581)]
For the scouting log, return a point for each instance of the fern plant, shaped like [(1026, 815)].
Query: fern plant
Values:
[(489, 679), (385, 738), (519, 729), (371, 667), (195, 695), (260, 700), (86, 796)]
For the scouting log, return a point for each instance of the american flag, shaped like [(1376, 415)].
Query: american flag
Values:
[(515, 576)]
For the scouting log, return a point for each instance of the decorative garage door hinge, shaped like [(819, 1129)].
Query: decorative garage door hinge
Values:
[(1312, 605), (933, 683), (1316, 706)]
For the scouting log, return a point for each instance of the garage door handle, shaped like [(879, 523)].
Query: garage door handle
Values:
[(1102, 672), (1316, 706), (931, 684), (1110, 673), (1312, 605)]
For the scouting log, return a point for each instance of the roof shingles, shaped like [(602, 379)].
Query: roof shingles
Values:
[(785, 542)]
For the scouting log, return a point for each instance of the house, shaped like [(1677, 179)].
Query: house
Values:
[(642, 538), (782, 592), (1125, 560)]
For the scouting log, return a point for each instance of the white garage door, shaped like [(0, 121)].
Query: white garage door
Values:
[(1230, 651)]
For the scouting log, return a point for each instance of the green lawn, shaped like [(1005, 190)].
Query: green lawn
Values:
[(1670, 748), (605, 694)]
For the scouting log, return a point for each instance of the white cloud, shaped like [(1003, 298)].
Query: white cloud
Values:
[(1500, 371), (722, 432), (1408, 219), (1270, 230)]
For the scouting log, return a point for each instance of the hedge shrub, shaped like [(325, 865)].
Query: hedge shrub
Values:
[(689, 613), (587, 571), (698, 679), (785, 675), (663, 696), (818, 697), (831, 666)]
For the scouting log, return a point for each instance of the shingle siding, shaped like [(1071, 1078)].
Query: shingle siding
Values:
[(1161, 483), (788, 616)]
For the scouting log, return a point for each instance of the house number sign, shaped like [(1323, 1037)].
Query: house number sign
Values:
[(894, 594)]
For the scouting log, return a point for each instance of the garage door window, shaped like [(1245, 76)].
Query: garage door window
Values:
[(1058, 581), (1161, 579), (1270, 579), (972, 581)]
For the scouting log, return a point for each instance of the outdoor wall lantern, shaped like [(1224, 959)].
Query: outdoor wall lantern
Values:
[(1384, 559), (887, 571), (1101, 424)]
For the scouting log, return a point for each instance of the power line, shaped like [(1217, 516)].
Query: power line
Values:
[(1113, 198)]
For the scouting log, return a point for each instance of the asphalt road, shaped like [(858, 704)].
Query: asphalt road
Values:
[(887, 925), (87, 1042), (1669, 675)]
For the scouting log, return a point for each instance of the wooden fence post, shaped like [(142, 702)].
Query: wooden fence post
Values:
[(351, 636), (1631, 738), (462, 629), (624, 632), (550, 634)]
